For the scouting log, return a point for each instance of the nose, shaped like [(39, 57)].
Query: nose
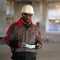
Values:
[(28, 17)]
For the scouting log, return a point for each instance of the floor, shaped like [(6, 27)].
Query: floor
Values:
[(49, 51)]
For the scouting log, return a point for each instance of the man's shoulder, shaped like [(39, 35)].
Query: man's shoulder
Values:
[(13, 24), (33, 24)]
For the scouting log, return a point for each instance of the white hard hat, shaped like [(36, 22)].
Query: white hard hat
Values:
[(27, 9)]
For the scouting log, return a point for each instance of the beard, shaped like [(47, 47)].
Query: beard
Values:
[(26, 20)]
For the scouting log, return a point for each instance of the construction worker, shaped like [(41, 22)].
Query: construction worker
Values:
[(24, 37)]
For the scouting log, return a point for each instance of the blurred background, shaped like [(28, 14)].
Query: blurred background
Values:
[(46, 16)]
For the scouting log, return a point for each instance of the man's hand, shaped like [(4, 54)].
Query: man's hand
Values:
[(21, 44), (38, 45)]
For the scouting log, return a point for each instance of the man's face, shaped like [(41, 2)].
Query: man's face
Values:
[(26, 17)]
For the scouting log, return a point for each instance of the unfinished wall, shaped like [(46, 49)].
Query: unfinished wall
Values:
[(40, 15), (2, 17)]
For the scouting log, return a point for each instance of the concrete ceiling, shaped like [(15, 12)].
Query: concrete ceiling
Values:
[(28, 0), (52, 0), (36, 0), (54, 4)]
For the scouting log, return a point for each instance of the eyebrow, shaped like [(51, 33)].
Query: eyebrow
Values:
[(27, 14)]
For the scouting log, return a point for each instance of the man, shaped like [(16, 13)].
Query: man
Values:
[(24, 37)]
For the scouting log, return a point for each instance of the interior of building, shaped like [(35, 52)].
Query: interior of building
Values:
[(46, 16)]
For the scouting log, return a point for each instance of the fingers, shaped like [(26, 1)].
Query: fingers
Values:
[(38, 45), (21, 44)]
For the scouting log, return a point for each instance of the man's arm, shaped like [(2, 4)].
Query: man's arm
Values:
[(10, 38), (39, 39)]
